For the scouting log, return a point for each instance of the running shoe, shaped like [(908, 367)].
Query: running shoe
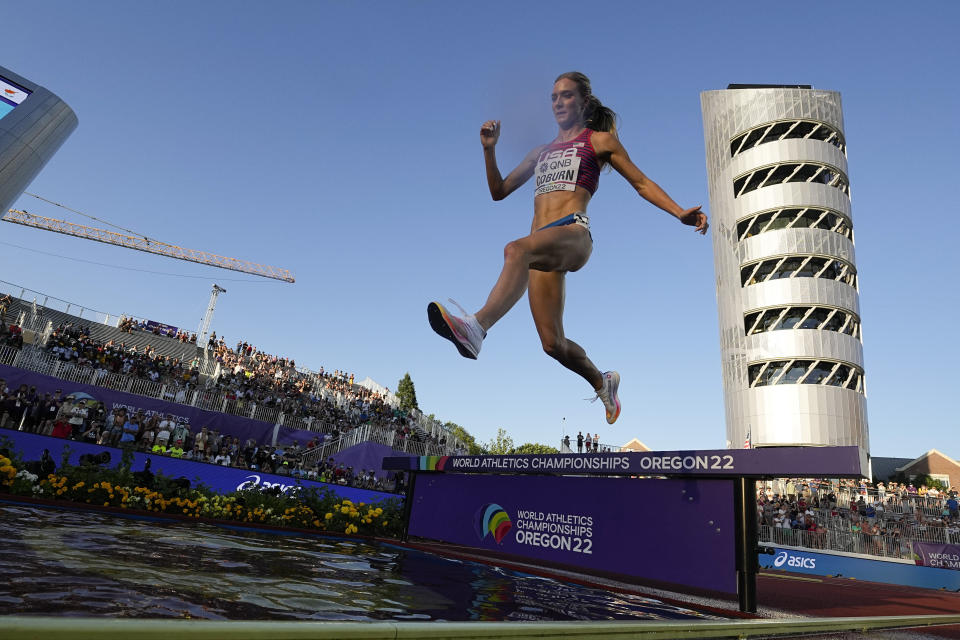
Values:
[(465, 333), (608, 395)]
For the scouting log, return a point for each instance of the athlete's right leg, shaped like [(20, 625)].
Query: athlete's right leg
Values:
[(560, 249), (555, 249)]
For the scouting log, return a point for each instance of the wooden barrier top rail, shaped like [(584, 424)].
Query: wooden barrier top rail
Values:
[(767, 462)]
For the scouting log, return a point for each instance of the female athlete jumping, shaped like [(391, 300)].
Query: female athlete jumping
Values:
[(567, 171)]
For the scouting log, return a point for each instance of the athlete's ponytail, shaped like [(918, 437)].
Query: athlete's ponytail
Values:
[(595, 115)]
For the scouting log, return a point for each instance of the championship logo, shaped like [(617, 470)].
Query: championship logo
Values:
[(491, 519)]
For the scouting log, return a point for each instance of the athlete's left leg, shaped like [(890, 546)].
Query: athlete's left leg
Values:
[(546, 292)]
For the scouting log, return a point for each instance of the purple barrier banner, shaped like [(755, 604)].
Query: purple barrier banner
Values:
[(218, 478), (942, 556), (672, 531), (366, 455), (774, 462), (224, 423)]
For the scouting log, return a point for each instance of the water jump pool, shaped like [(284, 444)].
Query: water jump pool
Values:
[(83, 563)]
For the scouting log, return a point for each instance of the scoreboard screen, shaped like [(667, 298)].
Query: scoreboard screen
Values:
[(34, 122), (11, 94)]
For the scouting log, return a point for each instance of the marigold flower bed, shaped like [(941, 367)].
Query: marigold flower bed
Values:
[(303, 508)]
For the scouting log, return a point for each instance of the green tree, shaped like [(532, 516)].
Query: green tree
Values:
[(406, 393), (501, 445), (473, 448), (535, 448)]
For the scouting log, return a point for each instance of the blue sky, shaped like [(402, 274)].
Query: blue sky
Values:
[(340, 141)]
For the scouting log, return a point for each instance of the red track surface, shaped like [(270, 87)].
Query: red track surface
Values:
[(821, 597), (778, 594)]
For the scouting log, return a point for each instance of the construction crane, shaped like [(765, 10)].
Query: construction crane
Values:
[(203, 335), (141, 243)]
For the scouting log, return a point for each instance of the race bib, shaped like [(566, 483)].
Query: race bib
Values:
[(557, 171)]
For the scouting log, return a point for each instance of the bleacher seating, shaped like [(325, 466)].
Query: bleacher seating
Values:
[(102, 332)]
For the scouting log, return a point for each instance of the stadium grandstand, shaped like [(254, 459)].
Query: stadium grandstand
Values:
[(317, 417), (330, 410)]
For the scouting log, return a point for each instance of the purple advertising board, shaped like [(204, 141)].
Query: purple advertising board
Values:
[(941, 556), (773, 462), (161, 328), (224, 423), (219, 478), (658, 530)]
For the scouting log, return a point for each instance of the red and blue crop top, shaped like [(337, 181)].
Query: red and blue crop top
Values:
[(564, 166)]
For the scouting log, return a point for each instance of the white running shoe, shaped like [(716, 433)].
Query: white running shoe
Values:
[(465, 333), (608, 395)]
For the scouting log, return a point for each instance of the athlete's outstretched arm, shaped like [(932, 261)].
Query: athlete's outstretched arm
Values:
[(501, 187), (610, 149)]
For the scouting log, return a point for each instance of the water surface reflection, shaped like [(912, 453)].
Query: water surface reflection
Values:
[(92, 564)]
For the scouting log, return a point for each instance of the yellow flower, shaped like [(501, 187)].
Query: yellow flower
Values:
[(328, 516)]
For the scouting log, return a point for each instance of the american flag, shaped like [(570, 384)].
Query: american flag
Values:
[(746, 441)]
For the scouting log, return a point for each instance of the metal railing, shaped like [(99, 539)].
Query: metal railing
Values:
[(48, 364), (893, 501), (372, 433), (603, 448), (838, 540), (58, 304)]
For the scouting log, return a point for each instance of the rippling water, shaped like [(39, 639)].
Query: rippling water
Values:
[(92, 564)]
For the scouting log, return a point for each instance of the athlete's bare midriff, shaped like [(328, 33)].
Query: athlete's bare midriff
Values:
[(550, 207)]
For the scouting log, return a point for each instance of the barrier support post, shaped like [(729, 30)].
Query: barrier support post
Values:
[(745, 517), (408, 505)]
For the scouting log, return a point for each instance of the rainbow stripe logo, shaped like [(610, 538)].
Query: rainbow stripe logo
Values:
[(433, 463), (492, 520)]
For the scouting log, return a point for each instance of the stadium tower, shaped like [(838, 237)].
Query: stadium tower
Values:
[(787, 292)]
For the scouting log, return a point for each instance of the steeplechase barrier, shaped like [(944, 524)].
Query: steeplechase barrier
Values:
[(669, 519)]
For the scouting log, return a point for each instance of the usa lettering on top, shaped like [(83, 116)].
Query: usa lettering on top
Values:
[(557, 170)]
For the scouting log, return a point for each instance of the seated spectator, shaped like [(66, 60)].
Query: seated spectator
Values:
[(62, 429), (92, 434)]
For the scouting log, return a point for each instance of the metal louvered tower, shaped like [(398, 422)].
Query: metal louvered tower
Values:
[(787, 291)]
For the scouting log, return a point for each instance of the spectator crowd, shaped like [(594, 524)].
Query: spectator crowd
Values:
[(875, 518), (246, 378), (89, 421), (129, 325)]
